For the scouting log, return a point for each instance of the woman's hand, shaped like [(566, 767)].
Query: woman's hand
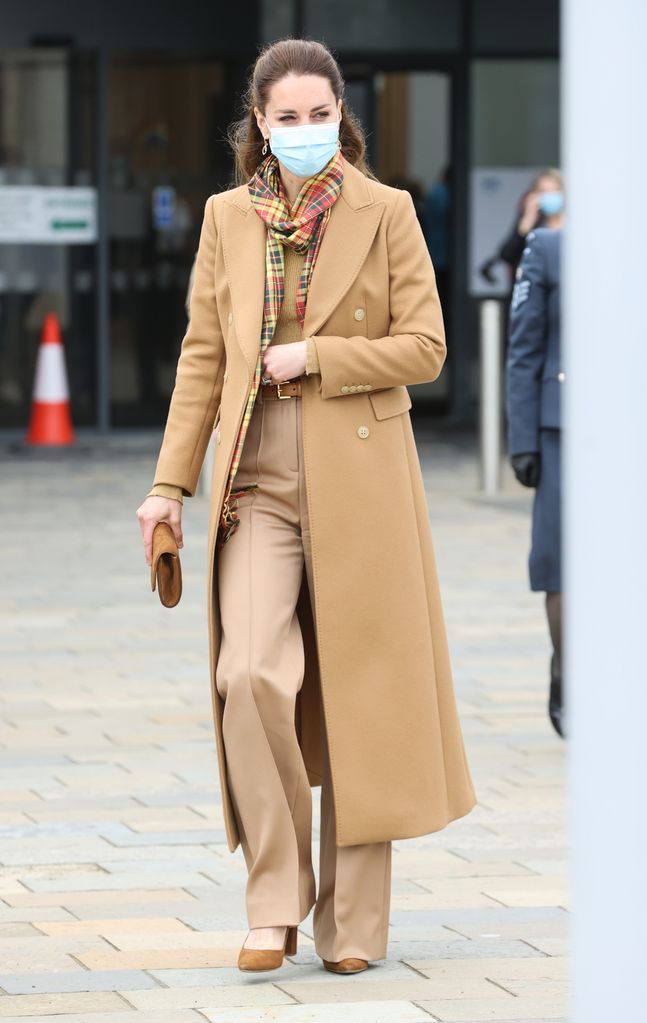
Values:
[(159, 509), (284, 362)]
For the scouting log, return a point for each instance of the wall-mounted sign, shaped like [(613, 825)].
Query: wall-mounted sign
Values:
[(39, 215), (494, 205), (163, 207)]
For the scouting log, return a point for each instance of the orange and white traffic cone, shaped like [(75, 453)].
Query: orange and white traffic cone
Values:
[(50, 422)]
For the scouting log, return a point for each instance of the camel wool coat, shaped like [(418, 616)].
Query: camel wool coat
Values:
[(375, 642)]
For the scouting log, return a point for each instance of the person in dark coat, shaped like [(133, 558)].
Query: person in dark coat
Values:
[(534, 384), (537, 206)]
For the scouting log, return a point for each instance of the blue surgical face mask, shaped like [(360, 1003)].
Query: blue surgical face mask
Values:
[(551, 203), (305, 149)]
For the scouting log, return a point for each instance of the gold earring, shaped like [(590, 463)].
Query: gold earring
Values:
[(264, 149)]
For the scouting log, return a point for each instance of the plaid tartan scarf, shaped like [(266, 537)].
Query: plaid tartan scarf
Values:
[(300, 227)]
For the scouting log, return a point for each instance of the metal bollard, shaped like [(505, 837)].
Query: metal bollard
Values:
[(490, 412)]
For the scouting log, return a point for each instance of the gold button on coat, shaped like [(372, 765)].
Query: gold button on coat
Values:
[(359, 314), (344, 388), (363, 431)]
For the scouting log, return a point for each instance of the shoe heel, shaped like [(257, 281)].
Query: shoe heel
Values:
[(291, 942)]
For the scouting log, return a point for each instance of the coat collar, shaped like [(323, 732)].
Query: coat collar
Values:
[(350, 230)]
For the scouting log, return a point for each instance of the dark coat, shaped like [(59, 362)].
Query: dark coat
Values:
[(534, 368)]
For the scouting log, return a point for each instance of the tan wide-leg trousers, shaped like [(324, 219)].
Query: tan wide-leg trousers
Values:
[(259, 672)]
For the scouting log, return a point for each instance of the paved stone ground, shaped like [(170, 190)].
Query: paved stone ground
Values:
[(119, 900)]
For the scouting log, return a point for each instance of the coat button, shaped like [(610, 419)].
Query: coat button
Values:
[(344, 388), (353, 387), (363, 431), (359, 314), (230, 318)]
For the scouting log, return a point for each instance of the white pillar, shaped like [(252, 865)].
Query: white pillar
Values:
[(604, 331), (490, 411)]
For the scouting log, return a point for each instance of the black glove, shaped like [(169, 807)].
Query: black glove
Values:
[(527, 468)]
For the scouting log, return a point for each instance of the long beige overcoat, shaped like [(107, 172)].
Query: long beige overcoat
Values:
[(375, 642)]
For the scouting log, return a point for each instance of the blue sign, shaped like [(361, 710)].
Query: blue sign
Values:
[(163, 206)]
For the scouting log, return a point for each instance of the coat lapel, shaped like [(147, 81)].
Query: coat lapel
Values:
[(344, 247), (350, 230), (243, 241)]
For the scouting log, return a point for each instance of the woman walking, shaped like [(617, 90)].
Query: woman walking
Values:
[(314, 305)]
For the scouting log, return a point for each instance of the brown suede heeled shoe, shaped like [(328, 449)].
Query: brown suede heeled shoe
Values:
[(348, 965), (268, 958)]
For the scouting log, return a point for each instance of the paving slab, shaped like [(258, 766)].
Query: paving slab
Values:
[(76, 980), (334, 1012)]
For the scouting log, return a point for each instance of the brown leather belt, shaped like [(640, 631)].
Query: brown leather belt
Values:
[(286, 389)]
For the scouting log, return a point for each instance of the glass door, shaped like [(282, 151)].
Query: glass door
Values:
[(47, 223), (167, 154), (406, 116), (412, 151)]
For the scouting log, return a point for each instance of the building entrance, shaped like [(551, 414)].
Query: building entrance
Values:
[(48, 223), (407, 119), (166, 154)]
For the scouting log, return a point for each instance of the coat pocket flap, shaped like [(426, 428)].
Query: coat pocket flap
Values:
[(390, 402)]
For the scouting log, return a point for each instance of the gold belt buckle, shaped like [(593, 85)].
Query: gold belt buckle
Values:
[(278, 390)]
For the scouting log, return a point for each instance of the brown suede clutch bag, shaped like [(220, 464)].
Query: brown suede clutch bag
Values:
[(165, 565)]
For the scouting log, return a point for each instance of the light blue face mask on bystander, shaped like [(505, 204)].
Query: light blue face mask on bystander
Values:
[(551, 203), (305, 149)]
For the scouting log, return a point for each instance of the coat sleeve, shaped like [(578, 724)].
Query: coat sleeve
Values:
[(527, 327), (312, 362), (511, 249), (414, 350), (199, 374)]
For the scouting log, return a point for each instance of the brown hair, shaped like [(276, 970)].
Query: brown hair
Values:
[(275, 61)]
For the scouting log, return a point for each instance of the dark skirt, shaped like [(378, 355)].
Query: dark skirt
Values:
[(545, 560)]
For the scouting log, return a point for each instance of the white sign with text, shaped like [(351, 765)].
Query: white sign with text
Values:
[(39, 215)]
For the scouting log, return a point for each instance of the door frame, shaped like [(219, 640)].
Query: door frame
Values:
[(363, 67)]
